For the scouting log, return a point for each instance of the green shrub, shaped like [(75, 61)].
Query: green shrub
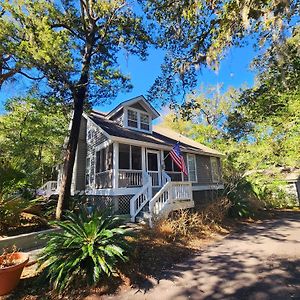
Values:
[(242, 200), (90, 245), (272, 193), (11, 209)]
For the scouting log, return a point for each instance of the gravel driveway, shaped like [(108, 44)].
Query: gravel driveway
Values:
[(261, 261)]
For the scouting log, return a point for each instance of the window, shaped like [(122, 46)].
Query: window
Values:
[(87, 171), (192, 170), (90, 134), (138, 120), (145, 123), (130, 157), (132, 119), (215, 171)]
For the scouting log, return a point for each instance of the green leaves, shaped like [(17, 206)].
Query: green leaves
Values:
[(197, 33), (27, 130), (90, 246)]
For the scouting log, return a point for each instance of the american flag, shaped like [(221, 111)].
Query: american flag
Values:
[(178, 158)]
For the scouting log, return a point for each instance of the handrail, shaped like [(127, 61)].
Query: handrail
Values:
[(141, 198), (160, 199), (165, 176), (172, 192), (47, 189)]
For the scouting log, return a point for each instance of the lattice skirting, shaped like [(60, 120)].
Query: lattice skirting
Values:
[(203, 198), (120, 205)]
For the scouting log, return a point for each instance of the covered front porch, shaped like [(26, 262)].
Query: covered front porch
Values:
[(138, 179), (123, 166)]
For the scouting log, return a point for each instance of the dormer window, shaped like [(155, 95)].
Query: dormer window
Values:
[(138, 120), (132, 118), (145, 122)]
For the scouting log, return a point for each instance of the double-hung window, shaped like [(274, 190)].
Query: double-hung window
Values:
[(138, 120), (192, 169)]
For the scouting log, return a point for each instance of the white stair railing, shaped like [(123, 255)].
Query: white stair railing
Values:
[(48, 189), (142, 197), (165, 200), (165, 177)]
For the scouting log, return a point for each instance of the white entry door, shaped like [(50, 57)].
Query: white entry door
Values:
[(153, 167)]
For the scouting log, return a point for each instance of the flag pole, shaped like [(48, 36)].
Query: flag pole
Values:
[(169, 152)]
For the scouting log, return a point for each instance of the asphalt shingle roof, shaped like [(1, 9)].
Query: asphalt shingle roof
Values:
[(158, 135)]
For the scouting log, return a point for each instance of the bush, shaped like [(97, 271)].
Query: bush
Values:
[(11, 210), (243, 200), (187, 224), (89, 246), (271, 191), (217, 211)]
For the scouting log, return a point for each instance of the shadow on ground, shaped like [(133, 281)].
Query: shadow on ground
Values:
[(260, 261)]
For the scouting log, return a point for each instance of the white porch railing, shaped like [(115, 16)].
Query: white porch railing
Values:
[(103, 179), (154, 177), (168, 197), (128, 178), (48, 189), (142, 197)]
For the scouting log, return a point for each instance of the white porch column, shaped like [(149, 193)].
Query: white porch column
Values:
[(115, 174), (144, 159), (143, 163)]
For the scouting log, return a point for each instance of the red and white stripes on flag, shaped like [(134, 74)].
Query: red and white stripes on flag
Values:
[(178, 158)]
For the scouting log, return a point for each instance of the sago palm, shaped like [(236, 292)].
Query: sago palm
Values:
[(89, 245)]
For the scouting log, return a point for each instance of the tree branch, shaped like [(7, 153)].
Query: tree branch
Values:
[(65, 26)]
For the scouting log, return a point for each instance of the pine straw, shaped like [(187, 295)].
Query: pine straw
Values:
[(185, 226)]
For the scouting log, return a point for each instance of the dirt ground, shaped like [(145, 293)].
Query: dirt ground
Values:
[(260, 261)]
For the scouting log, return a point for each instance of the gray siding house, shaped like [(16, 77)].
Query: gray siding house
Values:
[(123, 162)]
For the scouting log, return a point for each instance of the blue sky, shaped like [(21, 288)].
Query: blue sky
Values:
[(234, 71)]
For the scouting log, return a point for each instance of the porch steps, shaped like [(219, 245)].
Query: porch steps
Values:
[(144, 215)]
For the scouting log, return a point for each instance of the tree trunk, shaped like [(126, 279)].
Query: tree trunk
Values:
[(79, 94), (69, 159)]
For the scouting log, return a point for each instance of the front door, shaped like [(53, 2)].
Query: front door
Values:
[(153, 167)]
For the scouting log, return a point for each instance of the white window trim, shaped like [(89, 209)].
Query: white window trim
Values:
[(137, 119), (214, 180), (195, 163), (142, 113), (139, 112)]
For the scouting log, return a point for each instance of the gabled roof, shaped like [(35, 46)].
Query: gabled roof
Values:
[(163, 137), (142, 100)]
